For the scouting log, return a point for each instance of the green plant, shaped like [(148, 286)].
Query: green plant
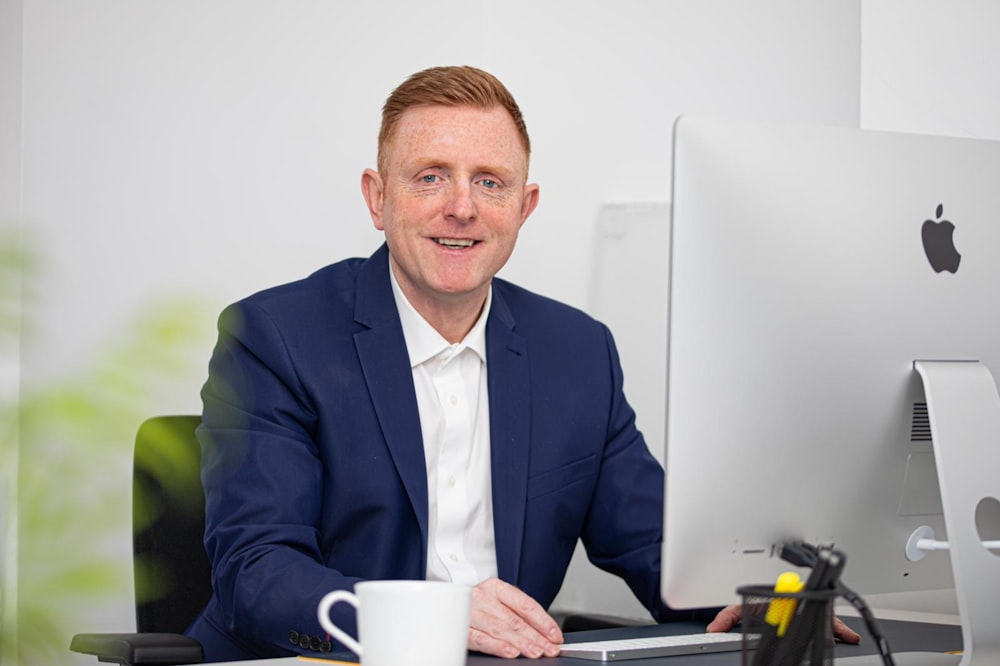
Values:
[(73, 440)]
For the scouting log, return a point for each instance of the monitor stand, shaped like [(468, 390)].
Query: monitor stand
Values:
[(964, 409)]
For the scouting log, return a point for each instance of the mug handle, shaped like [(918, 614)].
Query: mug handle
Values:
[(323, 613)]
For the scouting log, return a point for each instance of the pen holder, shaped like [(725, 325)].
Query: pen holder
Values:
[(787, 628)]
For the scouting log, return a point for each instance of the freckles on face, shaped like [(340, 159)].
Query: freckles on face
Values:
[(459, 158), (453, 198)]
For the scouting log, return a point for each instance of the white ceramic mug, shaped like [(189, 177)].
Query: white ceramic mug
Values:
[(404, 622)]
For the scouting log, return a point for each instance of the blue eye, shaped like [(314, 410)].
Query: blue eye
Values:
[(490, 184), (429, 178)]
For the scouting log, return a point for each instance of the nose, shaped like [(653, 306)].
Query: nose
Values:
[(460, 205)]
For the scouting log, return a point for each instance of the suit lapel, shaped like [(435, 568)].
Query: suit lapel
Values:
[(510, 413), (386, 365)]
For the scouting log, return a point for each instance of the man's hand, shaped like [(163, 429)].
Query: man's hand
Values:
[(729, 616), (726, 619), (506, 622)]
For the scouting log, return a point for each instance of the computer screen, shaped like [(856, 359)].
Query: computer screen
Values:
[(820, 277)]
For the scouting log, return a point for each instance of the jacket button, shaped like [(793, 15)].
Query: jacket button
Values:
[(293, 637), (303, 641), (314, 644), (326, 646)]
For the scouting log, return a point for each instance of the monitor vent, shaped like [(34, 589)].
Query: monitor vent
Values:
[(920, 424)]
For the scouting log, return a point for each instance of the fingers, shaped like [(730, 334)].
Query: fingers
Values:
[(506, 622), (730, 616), (726, 619), (844, 633)]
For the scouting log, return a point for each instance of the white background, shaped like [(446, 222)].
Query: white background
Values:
[(214, 147)]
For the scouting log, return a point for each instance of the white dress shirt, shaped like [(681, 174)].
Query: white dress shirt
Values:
[(450, 381)]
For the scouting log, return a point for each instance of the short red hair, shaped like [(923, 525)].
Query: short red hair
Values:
[(447, 86)]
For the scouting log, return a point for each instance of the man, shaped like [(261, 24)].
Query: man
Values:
[(410, 416)]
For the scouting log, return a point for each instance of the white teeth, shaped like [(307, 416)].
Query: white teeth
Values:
[(455, 242)]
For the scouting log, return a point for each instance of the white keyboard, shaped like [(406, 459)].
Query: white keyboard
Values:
[(653, 646)]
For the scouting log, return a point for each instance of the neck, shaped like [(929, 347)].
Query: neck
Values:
[(451, 315), (453, 320)]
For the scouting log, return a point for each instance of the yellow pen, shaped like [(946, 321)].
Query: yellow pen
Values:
[(781, 609), (778, 616)]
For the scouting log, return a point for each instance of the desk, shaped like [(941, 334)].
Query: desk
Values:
[(902, 636)]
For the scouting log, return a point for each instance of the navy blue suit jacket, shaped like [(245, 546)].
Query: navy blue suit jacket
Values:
[(313, 461)]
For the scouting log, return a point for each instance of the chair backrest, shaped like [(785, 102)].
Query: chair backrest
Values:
[(172, 571)]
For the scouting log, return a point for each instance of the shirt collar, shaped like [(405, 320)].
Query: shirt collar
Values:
[(423, 342)]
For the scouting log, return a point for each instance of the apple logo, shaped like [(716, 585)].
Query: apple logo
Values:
[(938, 243)]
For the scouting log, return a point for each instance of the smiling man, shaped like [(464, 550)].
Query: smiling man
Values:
[(451, 196), (410, 415)]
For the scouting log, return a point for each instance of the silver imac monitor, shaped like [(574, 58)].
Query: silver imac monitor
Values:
[(834, 339)]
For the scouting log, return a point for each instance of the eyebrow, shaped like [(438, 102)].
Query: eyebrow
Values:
[(505, 173)]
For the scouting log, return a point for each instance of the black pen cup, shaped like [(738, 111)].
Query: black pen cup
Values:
[(787, 628)]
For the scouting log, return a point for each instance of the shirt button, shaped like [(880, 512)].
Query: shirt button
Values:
[(453, 400), (452, 481), (453, 557)]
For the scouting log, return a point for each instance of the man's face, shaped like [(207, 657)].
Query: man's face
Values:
[(451, 201)]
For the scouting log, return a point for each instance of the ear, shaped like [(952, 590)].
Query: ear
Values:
[(529, 201), (371, 190)]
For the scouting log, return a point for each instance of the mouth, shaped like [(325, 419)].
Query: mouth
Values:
[(455, 243)]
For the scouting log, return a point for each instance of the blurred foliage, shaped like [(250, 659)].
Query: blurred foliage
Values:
[(75, 439), (13, 261)]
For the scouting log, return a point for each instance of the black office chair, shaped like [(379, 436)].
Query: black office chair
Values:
[(171, 569)]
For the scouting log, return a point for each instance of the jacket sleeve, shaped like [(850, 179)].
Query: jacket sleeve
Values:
[(263, 478), (623, 533)]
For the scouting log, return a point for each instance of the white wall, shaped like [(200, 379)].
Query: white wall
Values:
[(214, 147), (931, 67)]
